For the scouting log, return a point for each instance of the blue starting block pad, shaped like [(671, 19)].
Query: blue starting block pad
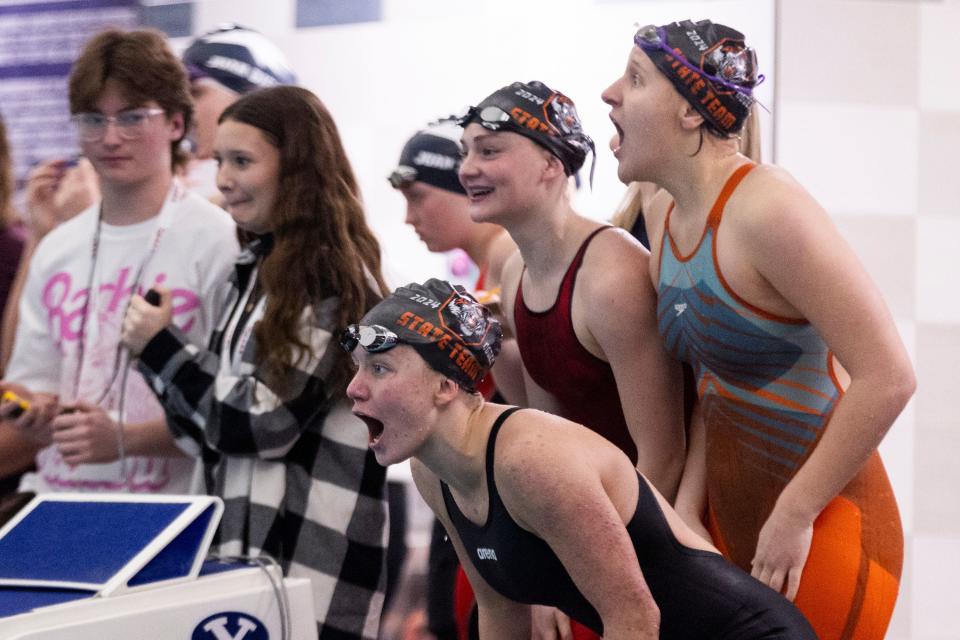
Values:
[(101, 566), (107, 544)]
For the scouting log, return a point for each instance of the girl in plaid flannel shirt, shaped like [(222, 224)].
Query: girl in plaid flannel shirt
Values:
[(264, 404)]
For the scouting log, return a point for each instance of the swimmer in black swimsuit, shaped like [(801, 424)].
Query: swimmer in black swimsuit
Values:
[(540, 510)]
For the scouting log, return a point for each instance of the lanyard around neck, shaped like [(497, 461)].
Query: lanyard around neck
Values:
[(164, 220)]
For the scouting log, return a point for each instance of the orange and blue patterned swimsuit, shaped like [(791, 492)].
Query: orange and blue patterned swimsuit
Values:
[(767, 390)]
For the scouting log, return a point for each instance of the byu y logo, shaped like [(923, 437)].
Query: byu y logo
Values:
[(230, 625)]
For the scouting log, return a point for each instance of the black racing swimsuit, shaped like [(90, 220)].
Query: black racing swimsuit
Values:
[(699, 593)]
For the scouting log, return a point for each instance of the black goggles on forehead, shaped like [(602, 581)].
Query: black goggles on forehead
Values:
[(402, 176), (738, 65), (373, 338)]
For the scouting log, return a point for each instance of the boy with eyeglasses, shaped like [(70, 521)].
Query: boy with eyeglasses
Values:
[(100, 426)]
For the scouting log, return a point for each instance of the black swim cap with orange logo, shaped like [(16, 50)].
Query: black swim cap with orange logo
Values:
[(456, 335), (534, 110), (710, 65)]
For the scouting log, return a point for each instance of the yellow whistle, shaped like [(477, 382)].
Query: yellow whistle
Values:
[(22, 405)]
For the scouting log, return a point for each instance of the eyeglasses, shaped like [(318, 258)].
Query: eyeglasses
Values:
[(130, 124), (402, 176), (374, 338), (738, 65)]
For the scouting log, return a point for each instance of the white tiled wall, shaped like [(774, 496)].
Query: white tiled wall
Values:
[(938, 246), (869, 121), (933, 596), (854, 157)]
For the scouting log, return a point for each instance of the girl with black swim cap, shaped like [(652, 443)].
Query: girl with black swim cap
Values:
[(521, 144), (580, 281), (800, 369), (539, 509)]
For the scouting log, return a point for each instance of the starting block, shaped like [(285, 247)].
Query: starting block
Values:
[(105, 566)]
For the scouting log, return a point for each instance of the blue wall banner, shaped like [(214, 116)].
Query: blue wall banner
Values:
[(38, 43)]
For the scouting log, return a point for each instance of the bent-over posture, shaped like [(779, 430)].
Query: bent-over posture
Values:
[(540, 510)]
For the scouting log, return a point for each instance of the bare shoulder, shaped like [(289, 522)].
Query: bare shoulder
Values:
[(526, 438), (615, 270), (536, 450), (775, 219), (547, 466), (616, 251), (770, 196)]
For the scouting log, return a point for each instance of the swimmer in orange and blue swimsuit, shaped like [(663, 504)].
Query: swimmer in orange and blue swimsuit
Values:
[(758, 291), (767, 390)]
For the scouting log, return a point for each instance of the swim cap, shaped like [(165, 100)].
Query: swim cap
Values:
[(240, 59), (534, 110), (431, 156), (710, 65), (456, 335)]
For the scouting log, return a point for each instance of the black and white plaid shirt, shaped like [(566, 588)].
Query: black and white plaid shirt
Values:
[(297, 478)]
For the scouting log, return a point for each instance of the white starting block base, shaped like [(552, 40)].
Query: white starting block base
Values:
[(236, 604)]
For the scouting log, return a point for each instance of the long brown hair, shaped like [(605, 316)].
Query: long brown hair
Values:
[(6, 180), (144, 65), (322, 244)]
